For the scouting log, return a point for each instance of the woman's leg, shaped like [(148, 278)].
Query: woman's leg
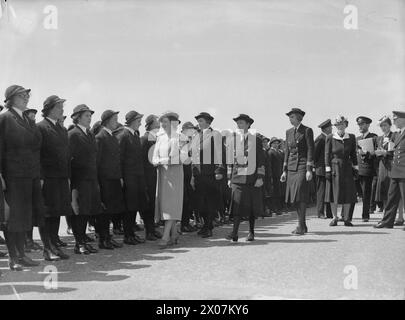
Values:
[(11, 242), (334, 207), (174, 235), (401, 211), (346, 212), (167, 230)]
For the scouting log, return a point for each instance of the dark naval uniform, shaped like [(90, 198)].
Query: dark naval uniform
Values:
[(396, 190)]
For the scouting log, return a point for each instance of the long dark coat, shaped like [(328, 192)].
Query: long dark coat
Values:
[(55, 169), (20, 143), (319, 155), (384, 167), (148, 141), (340, 158), (274, 170), (109, 172), (246, 199), (298, 160), (132, 168), (85, 189)]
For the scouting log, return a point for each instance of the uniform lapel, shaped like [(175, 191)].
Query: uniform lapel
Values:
[(22, 121), (399, 138)]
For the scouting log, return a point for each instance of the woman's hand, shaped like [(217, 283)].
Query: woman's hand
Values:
[(259, 182), (283, 177), (308, 175)]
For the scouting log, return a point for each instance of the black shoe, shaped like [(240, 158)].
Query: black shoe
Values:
[(115, 243), (232, 237), (3, 254), (202, 231), (334, 222), (365, 220), (60, 243), (151, 237), (28, 262), (348, 224), (186, 228), (50, 256), (138, 228), (399, 223), (90, 248), (139, 239), (207, 234), (381, 225), (81, 249), (88, 239), (298, 231), (14, 265), (61, 254), (2, 241), (32, 246), (130, 241), (250, 237), (69, 231), (157, 234), (305, 229), (105, 245)]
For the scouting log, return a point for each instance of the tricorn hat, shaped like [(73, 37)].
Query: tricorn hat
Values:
[(295, 110), (204, 115), (106, 115), (80, 109), (245, 117), (13, 90), (50, 102), (131, 116)]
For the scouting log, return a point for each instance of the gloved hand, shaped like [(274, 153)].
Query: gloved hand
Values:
[(328, 176)]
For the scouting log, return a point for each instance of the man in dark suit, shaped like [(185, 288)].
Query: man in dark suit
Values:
[(298, 164), (367, 170), (55, 174), (109, 178), (207, 170), (396, 190), (319, 161)]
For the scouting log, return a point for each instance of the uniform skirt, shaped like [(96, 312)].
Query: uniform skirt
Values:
[(342, 188), (26, 207), (86, 197), (297, 187), (57, 197), (246, 201), (112, 196), (383, 183)]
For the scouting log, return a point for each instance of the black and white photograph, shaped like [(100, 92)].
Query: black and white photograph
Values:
[(205, 156)]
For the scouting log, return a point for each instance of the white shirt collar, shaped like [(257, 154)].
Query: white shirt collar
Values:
[(365, 134), (20, 113), (108, 130), (53, 121), (297, 126), (204, 131), (84, 129), (131, 130), (337, 137)]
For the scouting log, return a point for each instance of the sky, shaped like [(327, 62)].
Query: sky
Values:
[(223, 57)]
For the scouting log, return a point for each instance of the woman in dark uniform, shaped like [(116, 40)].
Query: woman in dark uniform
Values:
[(109, 178), (20, 142), (384, 155), (298, 164), (340, 169), (55, 172), (246, 177), (85, 189)]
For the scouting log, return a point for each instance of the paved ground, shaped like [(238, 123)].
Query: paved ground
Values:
[(277, 265)]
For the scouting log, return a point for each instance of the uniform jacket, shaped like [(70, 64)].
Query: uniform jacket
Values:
[(207, 153), (131, 154), (299, 149), (367, 162), (148, 141), (398, 162), (55, 157), (386, 160), (20, 144), (319, 155), (242, 170), (83, 152), (108, 156)]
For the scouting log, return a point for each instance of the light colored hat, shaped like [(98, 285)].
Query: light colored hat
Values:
[(340, 119)]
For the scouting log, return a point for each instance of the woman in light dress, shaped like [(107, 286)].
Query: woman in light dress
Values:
[(168, 156)]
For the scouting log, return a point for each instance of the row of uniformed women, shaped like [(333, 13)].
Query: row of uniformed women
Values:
[(47, 172)]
